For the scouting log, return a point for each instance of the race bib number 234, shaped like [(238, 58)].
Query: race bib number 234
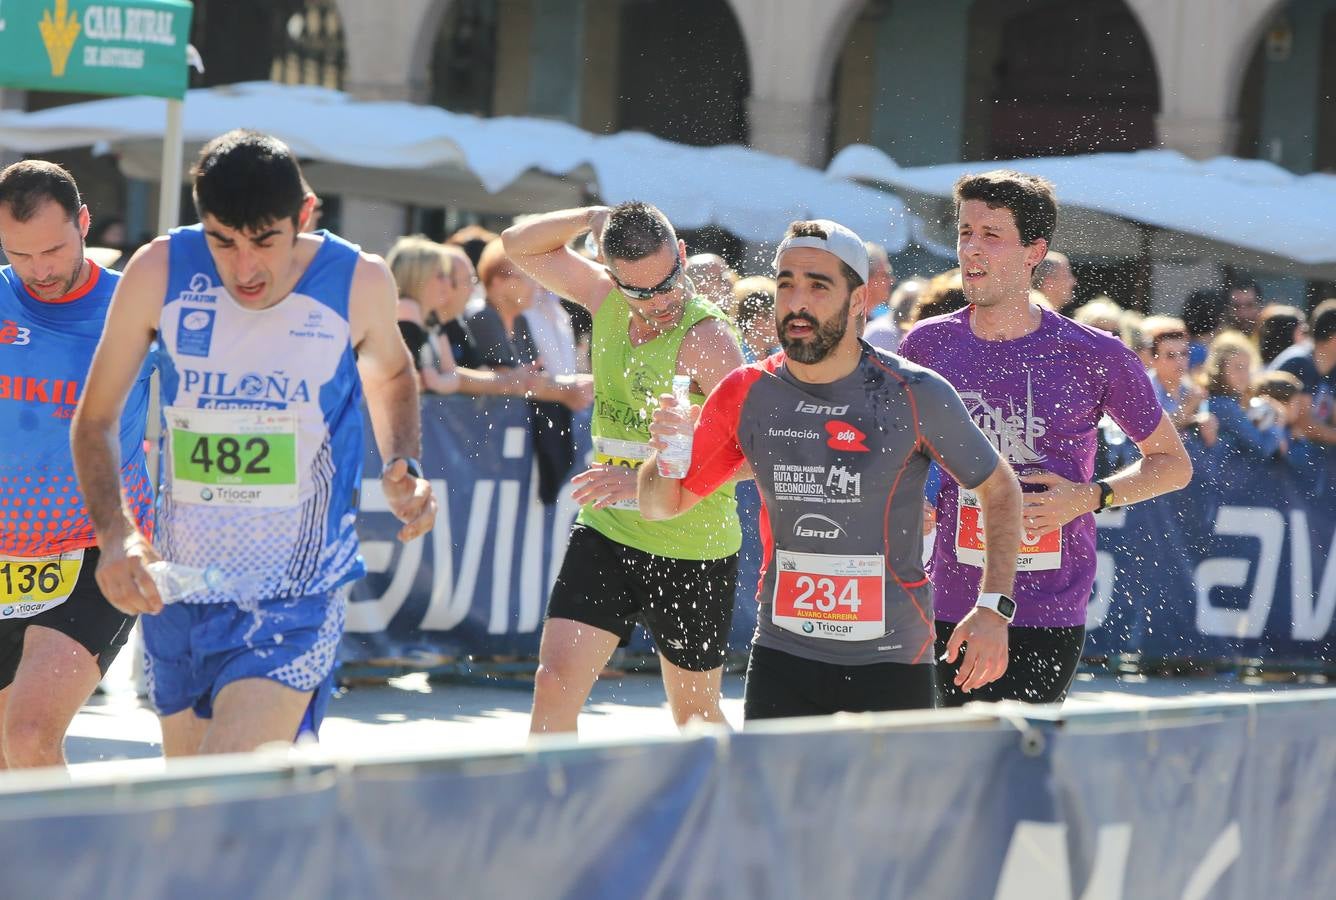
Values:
[(821, 595)]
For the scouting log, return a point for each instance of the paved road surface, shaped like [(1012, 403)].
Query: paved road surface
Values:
[(410, 713)]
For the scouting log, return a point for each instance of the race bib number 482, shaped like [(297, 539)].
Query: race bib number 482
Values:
[(233, 457), (821, 595)]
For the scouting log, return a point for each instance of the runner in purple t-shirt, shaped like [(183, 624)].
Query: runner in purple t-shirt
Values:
[(1037, 384)]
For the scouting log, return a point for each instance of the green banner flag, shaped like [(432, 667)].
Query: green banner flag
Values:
[(96, 46)]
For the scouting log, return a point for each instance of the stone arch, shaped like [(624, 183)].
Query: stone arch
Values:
[(389, 46), (794, 46), (897, 91), (1202, 50), (1050, 77), (701, 43), (462, 57), (1284, 109)]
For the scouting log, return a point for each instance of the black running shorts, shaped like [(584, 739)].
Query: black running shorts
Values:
[(781, 685), (85, 616), (1041, 663), (686, 604)]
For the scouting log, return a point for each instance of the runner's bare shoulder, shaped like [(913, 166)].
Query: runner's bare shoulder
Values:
[(143, 286), (373, 297), (710, 350)]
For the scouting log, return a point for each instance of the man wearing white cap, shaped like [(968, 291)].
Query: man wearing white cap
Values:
[(840, 437)]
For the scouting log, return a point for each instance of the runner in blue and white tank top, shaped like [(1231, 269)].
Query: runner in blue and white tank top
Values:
[(268, 338), (261, 451)]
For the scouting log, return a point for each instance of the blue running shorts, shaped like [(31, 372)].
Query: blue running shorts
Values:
[(193, 650)]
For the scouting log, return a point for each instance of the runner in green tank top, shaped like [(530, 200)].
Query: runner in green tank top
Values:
[(628, 380), (678, 577)]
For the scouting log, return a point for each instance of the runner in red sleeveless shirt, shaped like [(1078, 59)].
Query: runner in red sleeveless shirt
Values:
[(840, 437)]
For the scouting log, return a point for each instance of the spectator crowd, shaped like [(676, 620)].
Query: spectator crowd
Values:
[(1237, 374)]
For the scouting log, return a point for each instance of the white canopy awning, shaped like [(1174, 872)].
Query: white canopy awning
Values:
[(430, 157), (1243, 212)]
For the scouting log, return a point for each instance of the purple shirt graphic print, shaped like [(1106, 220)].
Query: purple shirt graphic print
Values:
[(1039, 399)]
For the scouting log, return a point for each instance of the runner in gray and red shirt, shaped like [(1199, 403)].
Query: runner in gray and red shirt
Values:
[(840, 437), (1038, 385)]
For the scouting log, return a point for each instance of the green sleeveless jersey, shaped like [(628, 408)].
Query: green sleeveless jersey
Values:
[(627, 383)]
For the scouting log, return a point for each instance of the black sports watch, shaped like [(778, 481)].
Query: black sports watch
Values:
[(1001, 604), (1105, 496), (414, 467)]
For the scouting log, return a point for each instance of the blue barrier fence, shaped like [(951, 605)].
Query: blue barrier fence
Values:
[(1228, 800), (1238, 565)]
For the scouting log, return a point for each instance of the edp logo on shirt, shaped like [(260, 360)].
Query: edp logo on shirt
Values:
[(844, 436)]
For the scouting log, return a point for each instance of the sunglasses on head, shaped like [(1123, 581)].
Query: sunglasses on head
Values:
[(663, 287)]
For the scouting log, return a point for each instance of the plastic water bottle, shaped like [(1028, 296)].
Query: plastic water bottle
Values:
[(175, 581), (674, 461)]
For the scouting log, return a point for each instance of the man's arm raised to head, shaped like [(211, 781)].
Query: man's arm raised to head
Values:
[(538, 246), (389, 381), (131, 324)]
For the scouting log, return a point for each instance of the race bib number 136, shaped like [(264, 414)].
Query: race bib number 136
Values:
[(627, 454), (29, 586)]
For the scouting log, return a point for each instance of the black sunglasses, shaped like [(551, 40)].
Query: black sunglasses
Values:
[(662, 287)]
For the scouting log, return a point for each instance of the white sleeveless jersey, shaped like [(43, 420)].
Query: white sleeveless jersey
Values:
[(261, 450)]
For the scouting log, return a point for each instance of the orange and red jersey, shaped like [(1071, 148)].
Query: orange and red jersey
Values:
[(46, 348)]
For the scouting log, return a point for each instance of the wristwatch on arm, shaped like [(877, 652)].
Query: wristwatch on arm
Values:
[(414, 467), (1001, 604), (1105, 496)]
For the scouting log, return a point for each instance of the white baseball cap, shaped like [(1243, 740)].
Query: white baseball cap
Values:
[(839, 241)]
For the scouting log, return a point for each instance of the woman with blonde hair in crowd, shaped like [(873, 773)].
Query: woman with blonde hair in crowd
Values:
[(945, 293), (434, 284), (1102, 313), (1133, 333), (1227, 376)]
